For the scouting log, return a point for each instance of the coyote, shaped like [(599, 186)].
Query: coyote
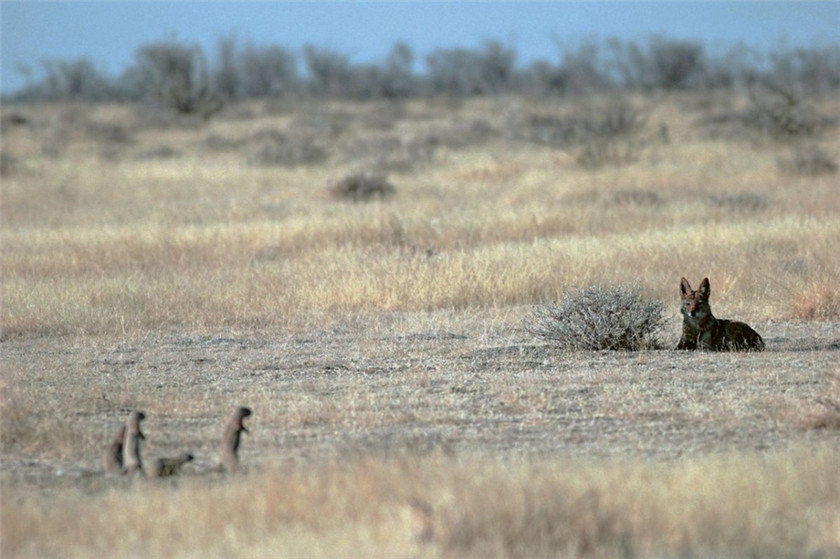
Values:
[(702, 330)]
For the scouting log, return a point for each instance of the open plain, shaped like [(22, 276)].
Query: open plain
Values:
[(401, 407)]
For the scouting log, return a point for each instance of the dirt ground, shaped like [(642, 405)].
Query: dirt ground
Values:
[(397, 383)]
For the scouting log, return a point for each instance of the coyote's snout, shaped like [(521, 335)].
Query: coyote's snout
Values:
[(701, 330)]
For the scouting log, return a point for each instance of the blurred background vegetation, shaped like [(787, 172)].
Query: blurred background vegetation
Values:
[(185, 77)]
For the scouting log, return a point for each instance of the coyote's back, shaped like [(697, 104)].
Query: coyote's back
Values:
[(701, 330)]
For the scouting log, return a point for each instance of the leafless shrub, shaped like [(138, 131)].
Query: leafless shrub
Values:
[(386, 153), (600, 318), (613, 120), (463, 72), (76, 79), (269, 71), (362, 187), (159, 152), (598, 152), (107, 132), (550, 130), (222, 143), (739, 201), (177, 76), (783, 115), (808, 160), (277, 148), (606, 134), (636, 197), (318, 123), (156, 117), (463, 133)]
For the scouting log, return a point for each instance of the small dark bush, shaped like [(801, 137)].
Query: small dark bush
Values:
[(216, 142), (361, 187), (109, 133), (602, 134), (739, 201), (614, 120), (808, 160), (635, 197), (14, 119), (784, 116), (597, 153), (277, 148), (599, 318), (159, 152)]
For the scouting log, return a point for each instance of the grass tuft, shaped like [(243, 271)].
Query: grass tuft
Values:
[(820, 302)]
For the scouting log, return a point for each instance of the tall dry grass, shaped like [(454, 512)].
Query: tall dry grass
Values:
[(97, 245), (437, 506)]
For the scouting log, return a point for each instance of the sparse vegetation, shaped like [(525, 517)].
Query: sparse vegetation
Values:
[(809, 160), (781, 114)]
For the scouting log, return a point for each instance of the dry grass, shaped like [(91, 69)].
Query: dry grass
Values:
[(400, 407), (91, 246), (436, 506)]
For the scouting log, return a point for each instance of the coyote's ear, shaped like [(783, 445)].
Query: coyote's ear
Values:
[(704, 288), (685, 287)]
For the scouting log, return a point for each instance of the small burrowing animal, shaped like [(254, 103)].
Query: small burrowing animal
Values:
[(112, 461), (131, 443), (168, 467), (228, 452)]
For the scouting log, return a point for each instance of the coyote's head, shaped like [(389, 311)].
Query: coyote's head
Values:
[(695, 304)]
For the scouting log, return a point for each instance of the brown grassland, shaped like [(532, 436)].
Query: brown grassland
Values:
[(401, 408)]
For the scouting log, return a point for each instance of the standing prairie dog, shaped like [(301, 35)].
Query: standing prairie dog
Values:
[(228, 458), (167, 467), (112, 461), (131, 445)]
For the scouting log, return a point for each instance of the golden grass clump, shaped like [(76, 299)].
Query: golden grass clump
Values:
[(819, 301)]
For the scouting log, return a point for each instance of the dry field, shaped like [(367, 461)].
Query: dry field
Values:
[(401, 408)]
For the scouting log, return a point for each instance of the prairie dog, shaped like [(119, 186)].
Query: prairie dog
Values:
[(167, 467), (228, 452), (131, 445), (112, 461)]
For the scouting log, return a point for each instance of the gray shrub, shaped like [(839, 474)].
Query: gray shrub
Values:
[(600, 318)]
